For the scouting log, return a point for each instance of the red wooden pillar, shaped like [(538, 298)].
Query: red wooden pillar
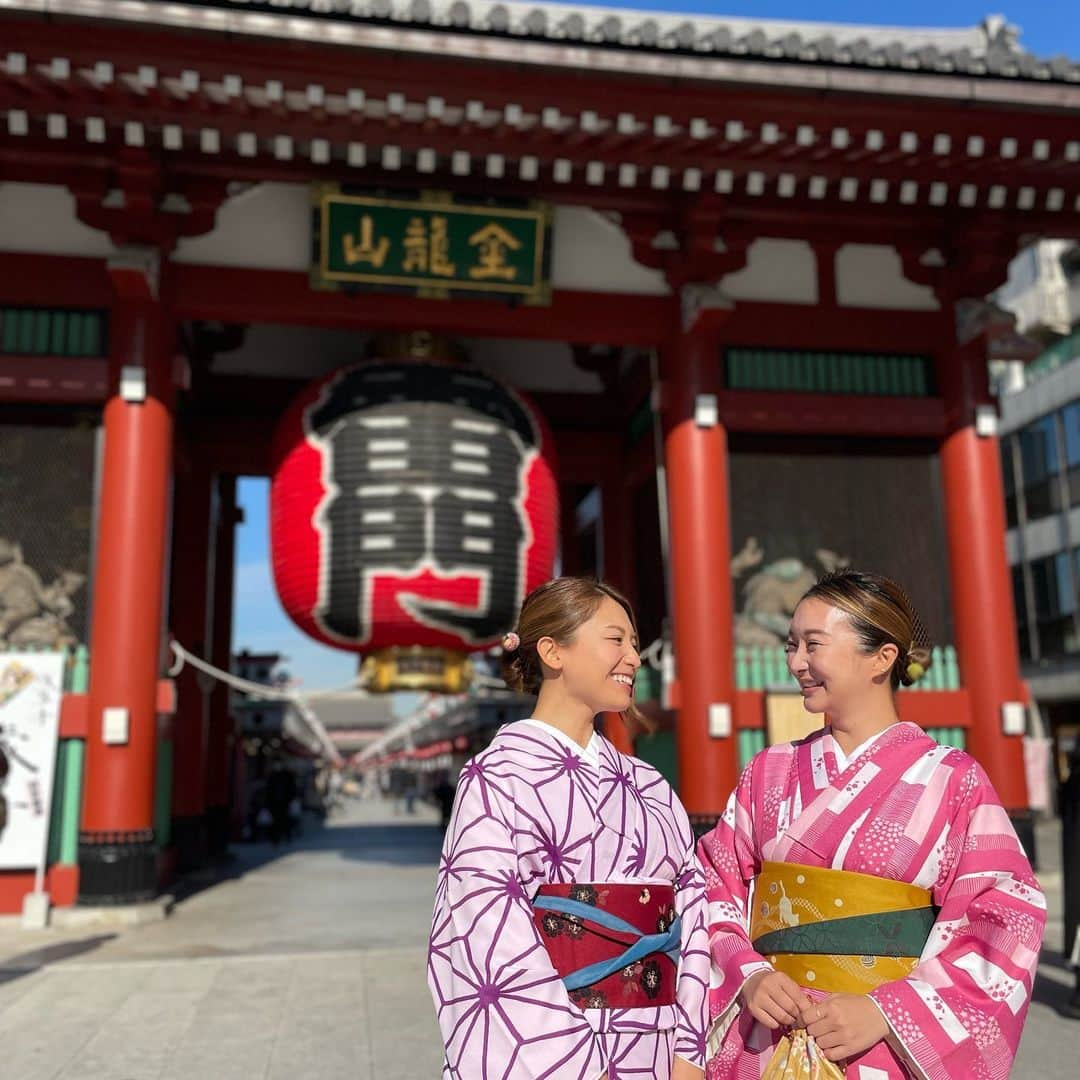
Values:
[(696, 456), (219, 742), (117, 857), (981, 585), (189, 621)]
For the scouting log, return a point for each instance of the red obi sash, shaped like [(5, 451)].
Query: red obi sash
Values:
[(614, 944)]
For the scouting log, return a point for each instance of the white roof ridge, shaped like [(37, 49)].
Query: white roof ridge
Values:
[(613, 25), (992, 48)]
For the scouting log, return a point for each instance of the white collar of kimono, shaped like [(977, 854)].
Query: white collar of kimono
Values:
[(590, 753), (843, 760)]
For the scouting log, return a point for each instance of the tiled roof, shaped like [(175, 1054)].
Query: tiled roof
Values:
[(991, 49)]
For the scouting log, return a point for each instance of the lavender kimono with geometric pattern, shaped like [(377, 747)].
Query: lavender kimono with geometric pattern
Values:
[(906, 809), (530, 811)]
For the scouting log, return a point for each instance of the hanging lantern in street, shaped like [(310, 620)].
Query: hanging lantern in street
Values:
[(413, 505)]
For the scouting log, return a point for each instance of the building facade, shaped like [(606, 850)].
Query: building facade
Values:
[(753, 326), (1040, 447)]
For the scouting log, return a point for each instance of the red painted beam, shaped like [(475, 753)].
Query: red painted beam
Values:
[(74, 716), (28, 278), (280, 296), (764, 326), (832, 414), (61, 883), (53, 379)]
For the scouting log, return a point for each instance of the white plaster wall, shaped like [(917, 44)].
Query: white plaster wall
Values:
[(592, 253), (533, 365), (872, 276), (41, 218), (267, 227), (292, 352), (776, 271)]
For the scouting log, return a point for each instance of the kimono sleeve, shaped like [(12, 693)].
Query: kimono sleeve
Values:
[(962, 1009), (692, 988), (730, 862), (502, 1008)]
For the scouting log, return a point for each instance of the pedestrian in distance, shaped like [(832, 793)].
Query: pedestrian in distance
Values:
[(568, 937)]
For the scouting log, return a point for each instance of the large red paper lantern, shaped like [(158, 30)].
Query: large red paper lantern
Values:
[(412, 504)]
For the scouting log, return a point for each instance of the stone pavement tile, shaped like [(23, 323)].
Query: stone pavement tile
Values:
[(322, 1032), (231, 1033), (139, 1038), (405, 1040), (57, 1015)]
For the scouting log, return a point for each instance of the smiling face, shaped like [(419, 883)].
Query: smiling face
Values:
[(826, 656), (598, 666)]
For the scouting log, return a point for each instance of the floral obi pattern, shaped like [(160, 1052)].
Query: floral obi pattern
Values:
[(615, 945), (837, 930)]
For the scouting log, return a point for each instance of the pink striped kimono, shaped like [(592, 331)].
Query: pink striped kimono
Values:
[(534, 809), (907, 809)]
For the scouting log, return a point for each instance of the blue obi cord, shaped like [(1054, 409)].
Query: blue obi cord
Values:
[(669, 943)]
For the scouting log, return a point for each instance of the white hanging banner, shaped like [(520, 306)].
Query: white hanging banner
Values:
[(31, 686)]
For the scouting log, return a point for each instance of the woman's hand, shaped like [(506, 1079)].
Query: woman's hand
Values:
[(844, 1025), (774, 999)]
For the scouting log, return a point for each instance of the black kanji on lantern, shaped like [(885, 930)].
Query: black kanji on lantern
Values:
[(425, 465)]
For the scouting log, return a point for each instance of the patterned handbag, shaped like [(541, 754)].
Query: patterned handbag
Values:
[(797, 1057)]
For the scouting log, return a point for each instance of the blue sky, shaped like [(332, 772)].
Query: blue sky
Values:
[(1046, 29), (260, 622)]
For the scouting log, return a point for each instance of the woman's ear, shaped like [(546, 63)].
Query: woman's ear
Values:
[(547, 648), (888, 654)]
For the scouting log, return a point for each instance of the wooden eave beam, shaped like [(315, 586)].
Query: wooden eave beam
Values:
[(154, 109), (336, 69), (232, 294)]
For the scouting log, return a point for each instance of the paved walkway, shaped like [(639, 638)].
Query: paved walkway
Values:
[(304, 963)]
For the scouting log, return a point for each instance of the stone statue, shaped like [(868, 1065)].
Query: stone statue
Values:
[(33, 614), (770, 595)]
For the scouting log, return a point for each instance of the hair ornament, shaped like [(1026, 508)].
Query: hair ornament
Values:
[(915, 671), (511, 642)]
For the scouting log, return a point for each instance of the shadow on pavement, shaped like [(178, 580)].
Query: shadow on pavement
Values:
[(28, 962), (1054, 992), (400, 842)]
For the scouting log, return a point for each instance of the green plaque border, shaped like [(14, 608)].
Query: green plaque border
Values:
[(324, 279)]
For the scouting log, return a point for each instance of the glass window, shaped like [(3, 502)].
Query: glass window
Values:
[(1006, 465), (1020, 607), (1006, 446), (1070, 417), (1055, 603), (1040, 466), (1038, 451), (1065, 595)]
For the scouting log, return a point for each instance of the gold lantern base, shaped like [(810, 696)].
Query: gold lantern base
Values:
[(416, 667)]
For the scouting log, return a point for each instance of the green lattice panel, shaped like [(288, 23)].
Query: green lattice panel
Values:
[(796, 371)]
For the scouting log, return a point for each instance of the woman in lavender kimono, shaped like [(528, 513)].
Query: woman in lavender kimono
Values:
[(568, 939)]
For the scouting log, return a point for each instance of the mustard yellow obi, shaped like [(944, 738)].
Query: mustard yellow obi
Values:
[(838, 931)]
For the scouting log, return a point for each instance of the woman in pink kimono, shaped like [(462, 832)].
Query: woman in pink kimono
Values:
[(568, 939), (865, 884)]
